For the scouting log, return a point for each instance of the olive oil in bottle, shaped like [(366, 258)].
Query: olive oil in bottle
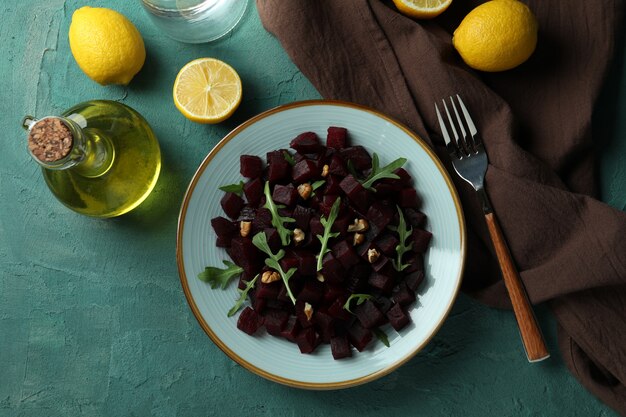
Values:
[(99, 158)]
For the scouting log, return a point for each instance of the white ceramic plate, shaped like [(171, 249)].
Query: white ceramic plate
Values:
[(278, 359)]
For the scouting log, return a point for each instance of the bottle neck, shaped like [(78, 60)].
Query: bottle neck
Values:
[(91, 155)]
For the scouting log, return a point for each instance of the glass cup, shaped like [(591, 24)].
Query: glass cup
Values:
[(195, 21)]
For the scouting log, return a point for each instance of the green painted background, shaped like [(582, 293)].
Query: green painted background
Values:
[(93, 321)]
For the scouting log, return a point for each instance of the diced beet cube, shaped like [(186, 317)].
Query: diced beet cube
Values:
[(359, 336), (224, 228), (381, 263), (341, 225), (327, 203), (246, 214), (402, 294), (262, 220), (337, 137), (285, 194), (337, 311), (408, 198), (253, 190), (333, 292), (289, 261), (414, 217), (416, 263), (357, 278), (306, 142), (387, 244), (223, 242), (315, 226), (358, 155), (278, 169), (340, 347), (307, 340), (405, 177), (307, 264), (369, 315), (232, 204), (355, 192), (295, 285), (291, 329), (269, 291), (397, 317), (312, 292), (380, 282), (421, 239), (273, 239), (414, 280), (380, 215), (332, 184), (275, 321), (383, 303), (251, 166), (304, 171), (259, 304), (302, 216), (324, 325), (345, 253), (244, 254), (331, 269), (337, 166), (248, 321), (303, 319)]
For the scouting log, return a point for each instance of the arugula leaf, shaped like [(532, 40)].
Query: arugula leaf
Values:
[(233, 188), (381, 335), (360, 299), (260, 241), (289, 158), (328, 224), (278, 220), (402, 247), (243, 294), (380, 173), (220, 277), (316, 185)]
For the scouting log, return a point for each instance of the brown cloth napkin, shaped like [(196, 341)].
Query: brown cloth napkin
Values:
[(536, 123)]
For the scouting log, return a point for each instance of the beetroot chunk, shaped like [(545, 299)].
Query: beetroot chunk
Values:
[(403, 295), (345, 253), (369, 315), (307, 340), (359, 336), (340, 347), (355, 192), (251, 166), (387, 244), (223, 227), (232, 204), (380, 215), (253, 190), (336, 137), (306, 142), (380, 282), (291, 329), (275, 321), (421, 239), (408, 198), (359, 157), (304, 171), (285, 194), (312, 292), (307, 264), (337, 166), (414, 280), (331, 269), (248, 321), (278, 168), (324, 325), (244, 254), (414, 217), (397, 317), (302, 216)]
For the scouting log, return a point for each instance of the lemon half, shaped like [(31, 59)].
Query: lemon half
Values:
[(422, 9), (207, 90)]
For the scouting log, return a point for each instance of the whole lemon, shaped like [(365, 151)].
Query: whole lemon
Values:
[(497, 35), (106, 45)]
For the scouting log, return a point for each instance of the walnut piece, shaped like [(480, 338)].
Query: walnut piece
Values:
[(358, 239), (359, 225), (270, 276), (244, 228), (320, 277), (305, 190), (372, 255), (308, 311), (325, 169), (298, 236)]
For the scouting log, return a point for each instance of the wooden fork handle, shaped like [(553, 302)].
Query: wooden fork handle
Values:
[(532, 338)]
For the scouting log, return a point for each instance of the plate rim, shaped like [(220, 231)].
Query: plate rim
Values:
[(183, 276)]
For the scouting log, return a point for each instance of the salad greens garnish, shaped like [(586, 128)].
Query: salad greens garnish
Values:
[(260, 241), (402, 247), (379, 173), (360, 299), (328, 224), (243, 294), (220, 277), (316, 185), (233, 188), (289, 158), (278, 221), (381, 335)]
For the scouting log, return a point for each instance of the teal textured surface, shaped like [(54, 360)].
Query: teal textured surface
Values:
[(93, 321)]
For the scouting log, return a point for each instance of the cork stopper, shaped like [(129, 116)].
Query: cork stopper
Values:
[(50, 140)]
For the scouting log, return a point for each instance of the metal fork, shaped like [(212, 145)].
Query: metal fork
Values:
[(470, 162)]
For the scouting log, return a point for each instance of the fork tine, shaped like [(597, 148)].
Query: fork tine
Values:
[(470, 122), (464, 143), (442, 125), (456, 135)]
